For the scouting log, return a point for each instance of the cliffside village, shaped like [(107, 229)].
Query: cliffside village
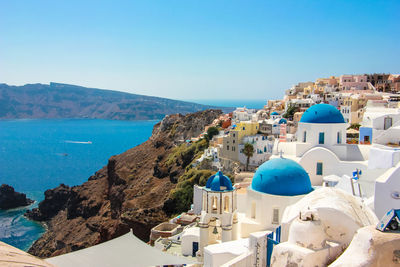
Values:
[(323, 177), (321, 186)]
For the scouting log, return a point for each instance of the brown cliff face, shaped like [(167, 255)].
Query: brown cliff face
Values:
[(130, 192)]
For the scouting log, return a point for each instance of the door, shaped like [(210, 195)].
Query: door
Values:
[(195, 248), (387, 123)]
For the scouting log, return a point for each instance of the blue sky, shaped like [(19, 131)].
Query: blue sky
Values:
[(195, 49)]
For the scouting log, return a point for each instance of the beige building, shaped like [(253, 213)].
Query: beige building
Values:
[(333, 81), (231, 141)]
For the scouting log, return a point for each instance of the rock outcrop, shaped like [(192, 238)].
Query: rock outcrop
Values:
[(10, 199), (130, 192), (54, 201), (373, 248)]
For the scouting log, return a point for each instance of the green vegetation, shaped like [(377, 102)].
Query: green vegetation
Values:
[(186, 153), (248, 151), (181, 197), (211, 132), (290, 111), (355, 126)]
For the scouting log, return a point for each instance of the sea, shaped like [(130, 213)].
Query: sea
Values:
[(36, 155), (252, 103)]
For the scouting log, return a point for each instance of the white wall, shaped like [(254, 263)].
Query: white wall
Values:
[(218, 254), (197, 199), (259, 144), (387, 187), (391, 135), (330, 162), (189, 236), (243, 260), (264, 206), (330, 131), (378, 123)]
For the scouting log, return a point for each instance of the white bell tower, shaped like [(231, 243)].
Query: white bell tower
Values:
[(218, 220)]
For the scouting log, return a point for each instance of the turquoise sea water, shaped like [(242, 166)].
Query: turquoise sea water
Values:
[(36, 155)]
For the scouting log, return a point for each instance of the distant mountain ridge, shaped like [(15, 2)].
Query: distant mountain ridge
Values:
[(58, 101)]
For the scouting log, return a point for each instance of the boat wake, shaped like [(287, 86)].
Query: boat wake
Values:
[(79, 142)]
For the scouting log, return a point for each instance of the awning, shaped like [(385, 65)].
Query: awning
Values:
[(124, 251), (352, 131), (11, 256)]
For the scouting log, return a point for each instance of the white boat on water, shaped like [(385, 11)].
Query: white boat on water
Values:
[(79, 142)]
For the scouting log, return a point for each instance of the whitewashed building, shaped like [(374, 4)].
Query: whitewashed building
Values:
[(262, 149)]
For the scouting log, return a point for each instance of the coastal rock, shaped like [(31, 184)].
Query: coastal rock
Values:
[(128, 193), (54, 201), (10, 199)]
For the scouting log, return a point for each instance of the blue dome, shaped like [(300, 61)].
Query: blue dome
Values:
[(282, 121), (282, 177), (274, 113), (322, 113), (219, 182)]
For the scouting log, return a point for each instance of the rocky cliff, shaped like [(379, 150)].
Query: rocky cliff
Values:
[(132, 191), (10, 199)]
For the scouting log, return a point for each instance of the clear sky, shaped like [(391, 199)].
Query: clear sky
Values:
[(192, 49)]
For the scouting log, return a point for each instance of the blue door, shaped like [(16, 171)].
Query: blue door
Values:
[(271, 242), (195, 248)]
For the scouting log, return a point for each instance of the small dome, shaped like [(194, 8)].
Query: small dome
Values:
[(274, 113), (308, 234), (283, 177), (282, 121), (322, 113), (219, 182)]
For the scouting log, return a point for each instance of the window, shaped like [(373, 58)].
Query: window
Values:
[(214, 205), (253, 210), (339, 138), (226, 204), (227, 147), (304, 137), (275, 216), (233, 135), (319, 168), (321, 138)]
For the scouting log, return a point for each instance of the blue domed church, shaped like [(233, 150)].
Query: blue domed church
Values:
[(321, 147), (227, 216), (277, 183)]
